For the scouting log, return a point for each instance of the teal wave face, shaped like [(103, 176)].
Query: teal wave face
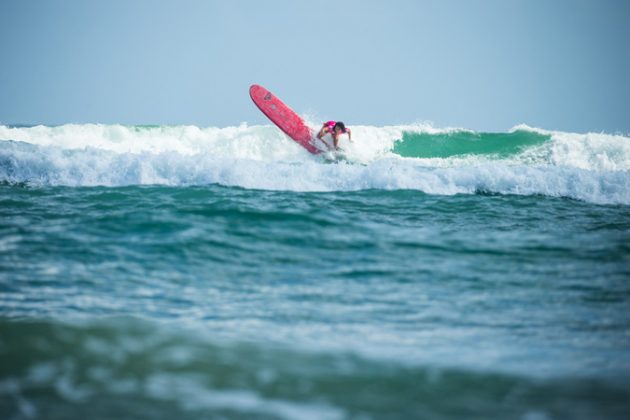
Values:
[(457, 143)]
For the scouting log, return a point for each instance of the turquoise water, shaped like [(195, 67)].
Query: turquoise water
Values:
[(164, 272), (455, 143)]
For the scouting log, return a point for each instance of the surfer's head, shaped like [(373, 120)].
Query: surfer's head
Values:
[(341, 126)]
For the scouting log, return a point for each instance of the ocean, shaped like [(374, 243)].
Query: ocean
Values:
[(161, 272)]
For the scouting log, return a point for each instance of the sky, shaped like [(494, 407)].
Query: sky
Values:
[(480, 64)]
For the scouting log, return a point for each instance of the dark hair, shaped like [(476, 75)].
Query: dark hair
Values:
[(340, 125)]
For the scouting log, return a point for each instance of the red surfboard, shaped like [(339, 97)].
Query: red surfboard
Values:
[(284, 117)]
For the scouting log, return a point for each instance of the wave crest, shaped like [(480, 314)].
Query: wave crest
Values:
[(592, 167)]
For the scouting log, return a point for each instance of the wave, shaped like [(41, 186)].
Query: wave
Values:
[(101, 369), (462, 142), (593, 167)]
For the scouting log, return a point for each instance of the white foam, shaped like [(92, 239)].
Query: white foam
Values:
[(257, 142), (590, 151), (591, 167)]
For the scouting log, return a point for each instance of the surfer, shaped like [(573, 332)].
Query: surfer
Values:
[(335, 129)]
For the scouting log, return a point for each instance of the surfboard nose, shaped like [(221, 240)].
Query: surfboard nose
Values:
[(256, 91), (283, 117)]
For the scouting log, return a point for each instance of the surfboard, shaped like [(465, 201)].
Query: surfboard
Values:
[(284, 117)]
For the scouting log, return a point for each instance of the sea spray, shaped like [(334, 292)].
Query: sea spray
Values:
[(592, 167)]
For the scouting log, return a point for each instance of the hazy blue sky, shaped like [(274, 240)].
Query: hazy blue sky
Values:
[(486, 65)]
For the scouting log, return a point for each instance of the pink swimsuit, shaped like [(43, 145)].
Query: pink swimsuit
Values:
[(330, 126)]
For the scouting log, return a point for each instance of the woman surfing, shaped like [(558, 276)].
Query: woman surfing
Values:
[(335, 129)]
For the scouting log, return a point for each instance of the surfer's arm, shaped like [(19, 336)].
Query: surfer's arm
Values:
[(321, 132), (349, 134), (321, 135)]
